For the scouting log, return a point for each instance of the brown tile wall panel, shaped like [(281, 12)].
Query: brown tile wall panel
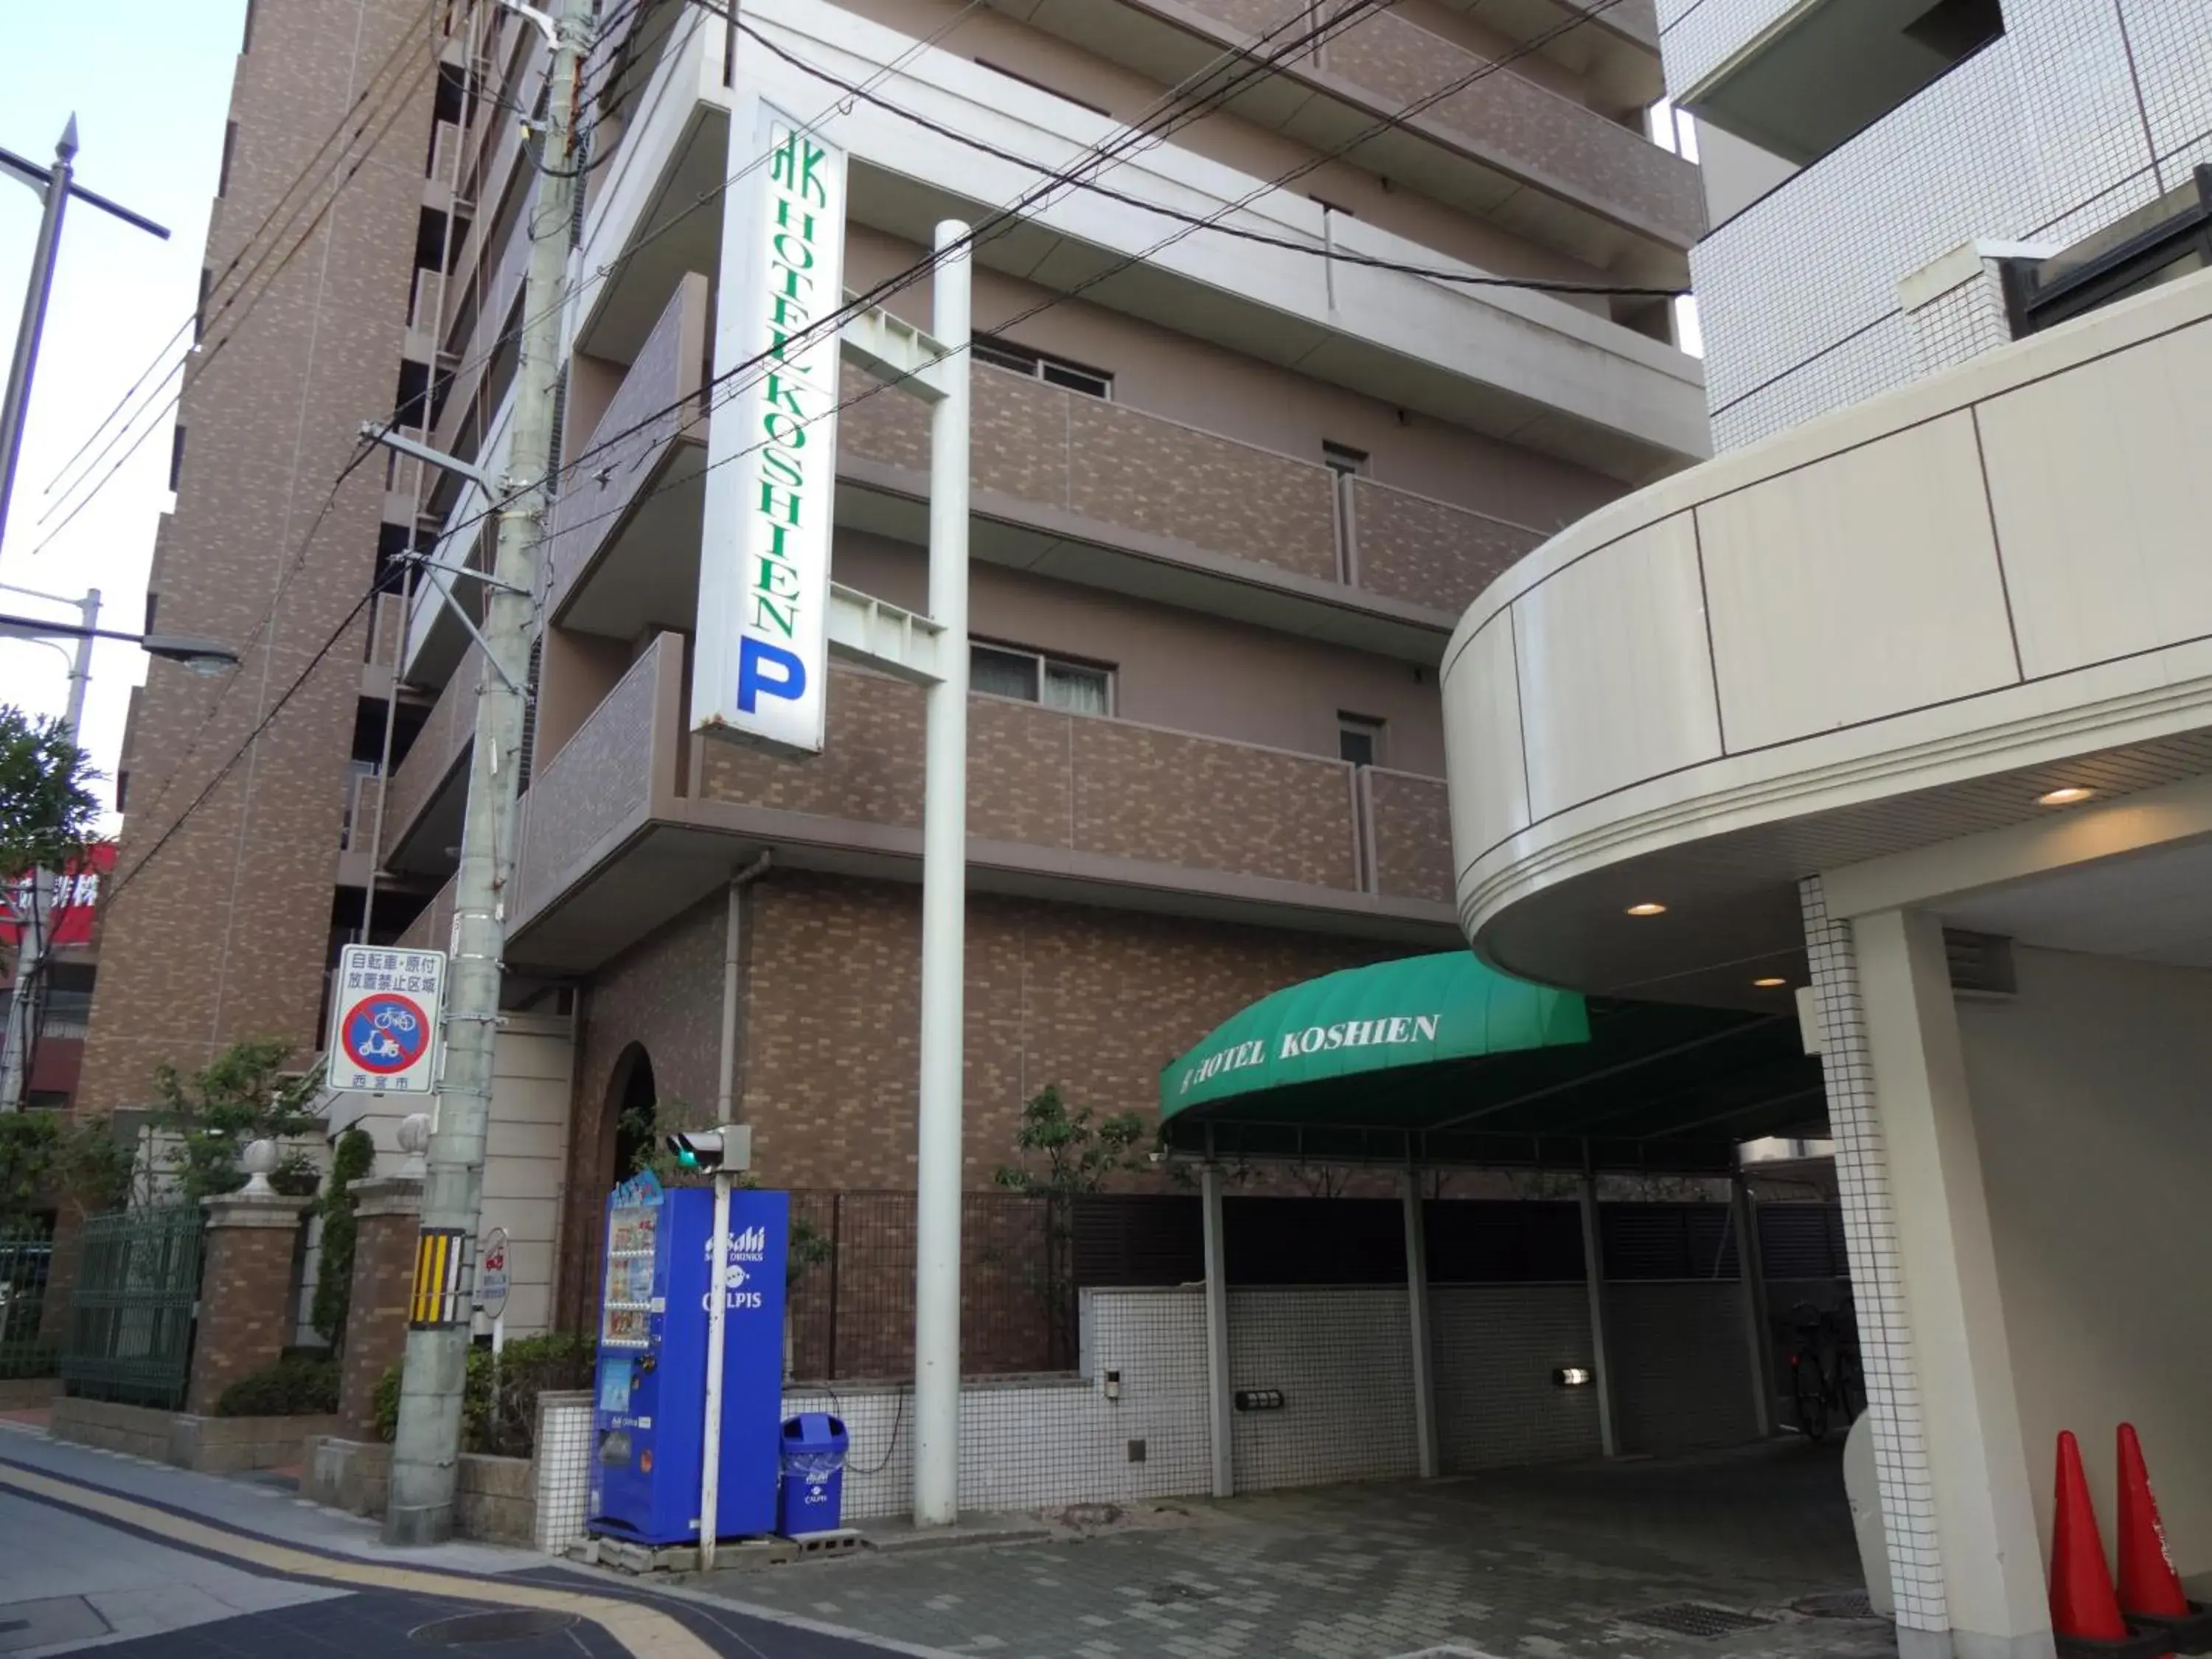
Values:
[(870, 766), (601, 775), (1141, 792), (1261, 17), (1430, 552), (244, 1288), (669, 367), (1019, 433), (1413, 836), (1210, 492), (665, 995), (376, 1314), (449, 729), (1518, 121), (885, 426), (1019, 785), (432, 927), (223, 934)]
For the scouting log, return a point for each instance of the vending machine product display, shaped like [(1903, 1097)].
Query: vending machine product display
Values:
[(649, 1417)]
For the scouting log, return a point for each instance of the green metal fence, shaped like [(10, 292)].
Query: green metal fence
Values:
[(24, 1263), (130, 1329)]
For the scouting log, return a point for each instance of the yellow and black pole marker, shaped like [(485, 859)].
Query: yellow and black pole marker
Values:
[(441, 1279)]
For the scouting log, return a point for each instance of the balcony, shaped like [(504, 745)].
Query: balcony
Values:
[(423, 800), (358, 830), (1502, 147), (1064, 484), (1525, 368), (633, 821)]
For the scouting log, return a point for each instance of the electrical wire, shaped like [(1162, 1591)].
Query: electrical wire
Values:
[(246, 248), (201, 366), (913, 274)]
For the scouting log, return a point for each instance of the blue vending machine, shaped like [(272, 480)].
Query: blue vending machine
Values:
[(649, 1418)]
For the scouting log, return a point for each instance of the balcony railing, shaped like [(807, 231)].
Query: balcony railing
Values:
[(598, 778), (419, 778), (654, 397), (432, 927), (364, 790), (1058, 796), (1498, 119), (1106, 788)]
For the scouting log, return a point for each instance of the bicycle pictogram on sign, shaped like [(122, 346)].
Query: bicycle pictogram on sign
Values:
[(385, 1033)]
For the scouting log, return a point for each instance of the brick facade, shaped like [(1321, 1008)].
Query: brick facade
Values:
[(387, 1213), (246, 1283), (1095, 1000)]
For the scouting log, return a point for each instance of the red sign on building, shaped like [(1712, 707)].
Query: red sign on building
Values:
[(76, 899)]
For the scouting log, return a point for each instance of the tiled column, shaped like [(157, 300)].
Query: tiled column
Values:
[(1900, 1450), (245, 1290), (386, 1214)]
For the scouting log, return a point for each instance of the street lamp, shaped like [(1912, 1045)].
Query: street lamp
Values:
[(201, 657)]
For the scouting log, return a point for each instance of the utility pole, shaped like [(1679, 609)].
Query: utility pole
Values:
[(425, 1450), (55, 185), (35, 929)]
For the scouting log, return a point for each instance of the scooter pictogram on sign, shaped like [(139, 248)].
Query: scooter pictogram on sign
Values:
[(385, 1033)]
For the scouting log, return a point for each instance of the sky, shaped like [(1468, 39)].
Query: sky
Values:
[(149, 83)]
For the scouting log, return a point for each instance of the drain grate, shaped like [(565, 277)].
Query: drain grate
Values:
[(1835, 1604), (1696, 1619), (470, 1629)]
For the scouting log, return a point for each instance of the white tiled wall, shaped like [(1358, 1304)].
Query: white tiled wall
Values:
[(562, 1469), (2082, 111), (1884, 1337), (1343, 1358)]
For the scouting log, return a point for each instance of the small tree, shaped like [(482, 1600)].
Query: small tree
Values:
[(244, 1094), (1079, 1155), (47, 808)]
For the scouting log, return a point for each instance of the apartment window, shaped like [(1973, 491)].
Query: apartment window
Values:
[(1014, 670), (1360, 740), (246, 35), (1053, 371), (230, 149), (1346, 464), (2161, 242), (199, 316), (177, 458)]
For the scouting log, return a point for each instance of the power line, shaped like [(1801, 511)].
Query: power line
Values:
[(246, 248), (196, 369)]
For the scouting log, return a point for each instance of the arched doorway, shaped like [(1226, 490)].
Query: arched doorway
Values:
[(630, 1127)]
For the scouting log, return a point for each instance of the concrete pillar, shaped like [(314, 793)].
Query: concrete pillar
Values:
[(1751, 1282), (1220, 1409), (387, 1215), (1417, 1321), (1976, 1465), (1609, 1435), (246, 1291), (1885, 1334)]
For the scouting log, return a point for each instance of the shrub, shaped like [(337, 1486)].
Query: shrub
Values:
[(350, 1161), (498, 1412), (297, 1385)]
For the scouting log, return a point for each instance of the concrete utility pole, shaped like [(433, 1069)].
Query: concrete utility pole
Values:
[(55, 185), (34, 931), (944, 917), (425, 1450)]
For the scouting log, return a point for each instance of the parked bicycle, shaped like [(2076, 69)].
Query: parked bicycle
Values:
[(1824, 1370)]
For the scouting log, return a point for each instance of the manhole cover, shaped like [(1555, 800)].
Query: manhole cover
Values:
[(1835, 1604), (1696, 1619), (470, 1629)]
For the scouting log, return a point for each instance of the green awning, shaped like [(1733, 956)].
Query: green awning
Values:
[(1441, 1060), (1415, 1012)]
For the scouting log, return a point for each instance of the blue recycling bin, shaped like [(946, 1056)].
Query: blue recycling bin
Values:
[(812, 1495)]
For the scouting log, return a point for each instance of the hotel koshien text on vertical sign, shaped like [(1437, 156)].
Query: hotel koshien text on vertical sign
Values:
[(760, 664)]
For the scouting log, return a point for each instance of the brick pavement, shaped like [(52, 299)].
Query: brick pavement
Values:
[(1548, 1563)]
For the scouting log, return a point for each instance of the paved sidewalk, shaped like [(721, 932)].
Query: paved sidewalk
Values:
[(1550, 1563)]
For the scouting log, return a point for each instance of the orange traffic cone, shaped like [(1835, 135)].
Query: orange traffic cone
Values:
[(2082, 1602), (2149, 1582)]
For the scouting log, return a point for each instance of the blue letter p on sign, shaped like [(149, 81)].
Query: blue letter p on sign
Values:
[(755, 660)]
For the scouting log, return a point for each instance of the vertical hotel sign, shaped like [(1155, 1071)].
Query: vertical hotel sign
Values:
[(759, 665)]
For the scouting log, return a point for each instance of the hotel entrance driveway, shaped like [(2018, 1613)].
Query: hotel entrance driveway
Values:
[(1562, 1562)]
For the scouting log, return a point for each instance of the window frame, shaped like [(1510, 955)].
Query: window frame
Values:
[(1377, 731), (995, 351), (1045, 662)]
